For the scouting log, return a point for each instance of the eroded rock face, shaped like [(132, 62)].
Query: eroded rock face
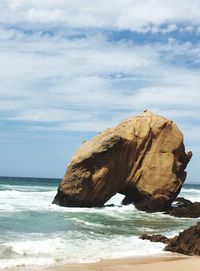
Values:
[(143, 158), (187, 242)]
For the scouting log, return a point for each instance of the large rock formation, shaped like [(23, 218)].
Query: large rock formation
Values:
[(143, 158)]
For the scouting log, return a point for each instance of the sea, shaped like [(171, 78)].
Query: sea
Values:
[(34, 232)]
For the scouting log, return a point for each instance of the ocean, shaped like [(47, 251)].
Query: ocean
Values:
[(34, 232)]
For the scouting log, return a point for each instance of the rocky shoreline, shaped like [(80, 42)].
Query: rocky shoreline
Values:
[(187, 242)]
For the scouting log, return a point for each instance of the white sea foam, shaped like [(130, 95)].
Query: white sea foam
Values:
[(75, 235), (11, 200), (37, 247), (66, 250), (191, 194), (70, 246), (25, 188)]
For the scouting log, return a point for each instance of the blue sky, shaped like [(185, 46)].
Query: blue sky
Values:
[(70, 69)]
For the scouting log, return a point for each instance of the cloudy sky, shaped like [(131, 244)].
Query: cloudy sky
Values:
[(71, 68)]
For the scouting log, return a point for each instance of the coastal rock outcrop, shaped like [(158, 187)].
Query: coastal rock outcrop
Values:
[(187, 242), (143, 158), (185, 208)]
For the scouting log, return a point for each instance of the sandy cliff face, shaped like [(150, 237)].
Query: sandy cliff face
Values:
[(143, 158)]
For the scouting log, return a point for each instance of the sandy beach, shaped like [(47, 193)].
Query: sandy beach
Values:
[(172, 262)]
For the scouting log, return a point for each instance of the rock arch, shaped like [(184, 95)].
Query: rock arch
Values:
[(143, 158)]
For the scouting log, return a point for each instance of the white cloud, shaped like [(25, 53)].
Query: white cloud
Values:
[(15, 4), (189, 28), (44, 16), (90, 80), (136, 15), (61, 68), (89, 84)]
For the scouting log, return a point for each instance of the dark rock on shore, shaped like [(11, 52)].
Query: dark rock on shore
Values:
[(182, 202), (155, 238), (185, 208), (143, 158), (192, 210), (187, 242)]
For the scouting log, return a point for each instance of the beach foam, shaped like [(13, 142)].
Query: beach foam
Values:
[(57, 250)]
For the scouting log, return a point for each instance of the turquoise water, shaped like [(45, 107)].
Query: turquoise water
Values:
[(35, 232)]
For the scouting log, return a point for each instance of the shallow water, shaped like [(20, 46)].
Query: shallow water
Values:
[(35, 232)]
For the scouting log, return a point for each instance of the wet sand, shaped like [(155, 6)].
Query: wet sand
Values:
[(172, 262)]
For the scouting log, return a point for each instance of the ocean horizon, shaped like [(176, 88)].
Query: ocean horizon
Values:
[(34, 232)]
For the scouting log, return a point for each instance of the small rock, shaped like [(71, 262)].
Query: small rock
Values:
[(155, 238), (182, 202)]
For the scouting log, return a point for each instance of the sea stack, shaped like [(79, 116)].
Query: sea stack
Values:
[(143, 158)]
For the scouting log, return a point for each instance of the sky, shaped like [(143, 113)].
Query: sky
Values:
[(71, 68)]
